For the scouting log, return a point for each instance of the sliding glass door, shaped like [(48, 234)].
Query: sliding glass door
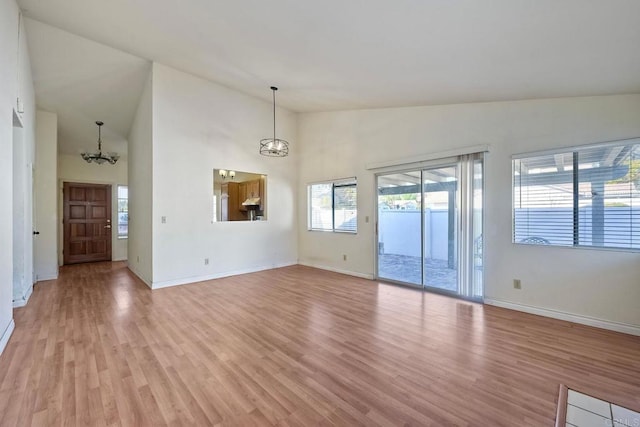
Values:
[(399, 230), (430, 226), (440, 218)]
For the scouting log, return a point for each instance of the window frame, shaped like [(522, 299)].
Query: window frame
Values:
[(118, 212), (335, 183), (575, 152)]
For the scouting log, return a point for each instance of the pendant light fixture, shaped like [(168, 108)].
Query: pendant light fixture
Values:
[(274, 147), (100, 157)]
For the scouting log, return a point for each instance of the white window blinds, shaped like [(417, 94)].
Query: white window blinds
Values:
[(587, 196)]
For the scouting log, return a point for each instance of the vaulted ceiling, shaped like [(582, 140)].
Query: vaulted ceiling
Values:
[(336, 54), (84, 81)]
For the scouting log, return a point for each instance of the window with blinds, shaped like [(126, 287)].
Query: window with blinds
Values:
[(333, 206), (587, 196)]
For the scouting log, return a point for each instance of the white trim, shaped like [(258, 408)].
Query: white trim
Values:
[(24, 300), (572, 148), (194, 279), (139, 276), (338, 181), (337, 270), (6, 335), (52, 275), (569, 317), (427, 157)]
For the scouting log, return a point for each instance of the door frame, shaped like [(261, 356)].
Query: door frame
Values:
[(114, 214), (431, 163), (65, 226)]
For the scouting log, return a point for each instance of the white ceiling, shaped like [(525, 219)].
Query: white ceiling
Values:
[(330, 54), (84, 81)]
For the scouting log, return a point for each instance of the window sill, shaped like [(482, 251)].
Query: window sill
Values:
[(315, 230)]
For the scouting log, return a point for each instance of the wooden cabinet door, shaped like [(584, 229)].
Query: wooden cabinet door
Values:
[(253, 188), (87, 222), (234, 201), (242, 195)]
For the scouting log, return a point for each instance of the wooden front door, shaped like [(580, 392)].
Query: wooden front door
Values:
[(87, 222)]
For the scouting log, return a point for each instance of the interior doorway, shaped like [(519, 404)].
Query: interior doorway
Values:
[(87, 222), (430, 226)]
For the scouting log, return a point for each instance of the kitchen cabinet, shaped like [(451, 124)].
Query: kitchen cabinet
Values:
[(250, 190), (253, 188), (229, 202), (242, 195)]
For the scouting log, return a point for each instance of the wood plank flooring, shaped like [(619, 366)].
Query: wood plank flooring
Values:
[(292, 346)]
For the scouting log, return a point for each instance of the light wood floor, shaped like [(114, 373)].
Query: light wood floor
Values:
[(292, 346)]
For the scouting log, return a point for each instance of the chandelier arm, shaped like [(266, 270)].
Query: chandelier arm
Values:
[(100, 158)]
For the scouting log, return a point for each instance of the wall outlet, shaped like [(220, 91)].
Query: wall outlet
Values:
[(344, 257), (517, 284), (163, 219), (138, 258), (206, 261), (366, 219)]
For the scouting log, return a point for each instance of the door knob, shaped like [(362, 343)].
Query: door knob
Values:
[(36, 232), (107, 226)]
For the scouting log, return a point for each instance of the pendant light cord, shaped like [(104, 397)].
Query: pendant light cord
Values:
[(274, 89), (100, 139)]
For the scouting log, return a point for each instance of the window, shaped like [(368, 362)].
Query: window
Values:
[(586, 196), (123, 211), (333, 206)]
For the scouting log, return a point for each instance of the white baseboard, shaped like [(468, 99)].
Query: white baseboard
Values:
[(6, 335), (47, 276), (194, 279), (337, 270), (569, 317), (21, 302), (139, 276)]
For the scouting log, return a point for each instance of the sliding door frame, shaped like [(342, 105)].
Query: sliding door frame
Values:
[(466, 245)]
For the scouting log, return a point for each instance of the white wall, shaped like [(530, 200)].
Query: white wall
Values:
[(15, 82), (75, 169), (46, 196), (592, 284), (140, 187), (19, 220), (199, 126), (24, 156)]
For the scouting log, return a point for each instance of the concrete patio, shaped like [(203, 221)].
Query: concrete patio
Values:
[(405, 268)]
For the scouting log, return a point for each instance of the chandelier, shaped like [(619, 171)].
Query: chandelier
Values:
[(100, 157), (274, 147)]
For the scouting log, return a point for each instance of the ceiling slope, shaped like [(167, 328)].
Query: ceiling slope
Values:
[(335, 54), (84, 81)]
